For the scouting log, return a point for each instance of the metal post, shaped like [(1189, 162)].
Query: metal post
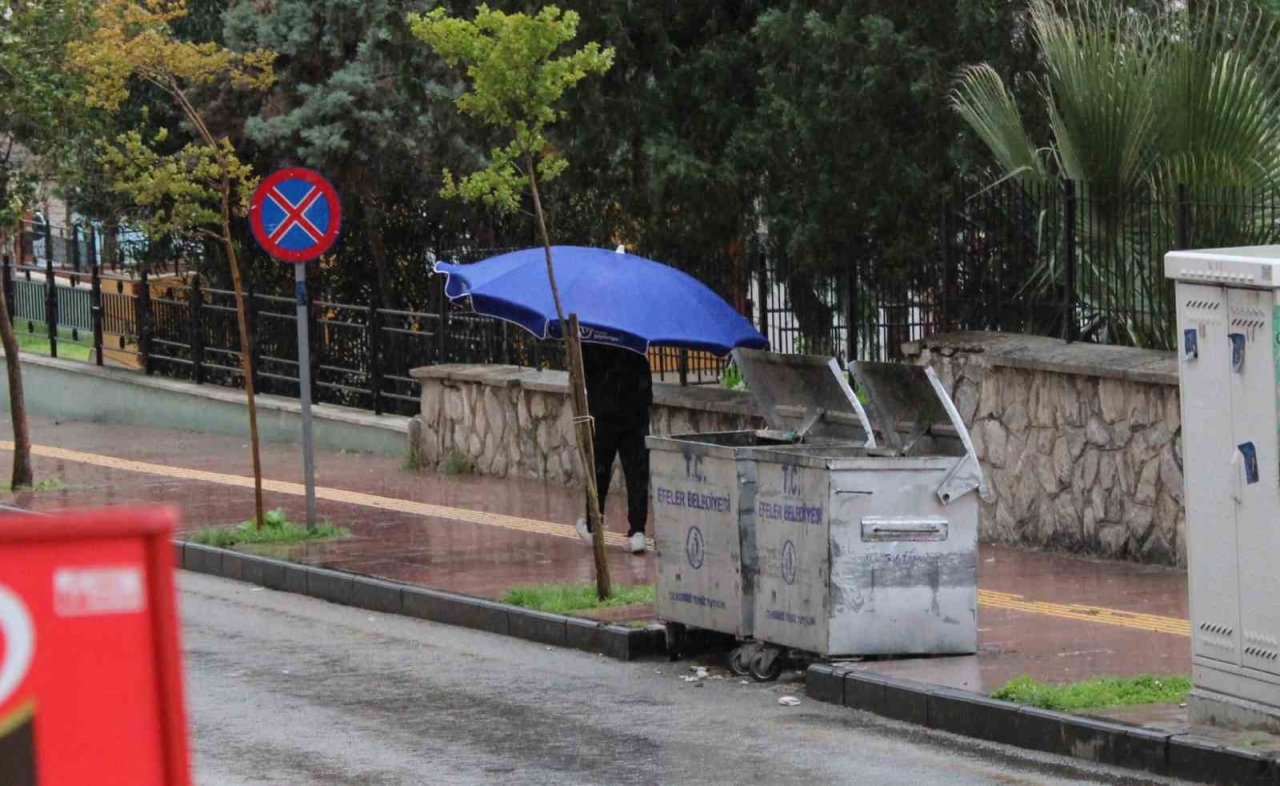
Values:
[(948, 269), (9, 287), (763, 284), (197, 331), (95, 300), (375, 355), (51, 303), (143, 312), (304, 388), (75, 247), (442, 337), (1071, 327), (1184, 218), (851, 313)]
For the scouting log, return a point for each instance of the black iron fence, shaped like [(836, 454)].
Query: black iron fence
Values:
[(1062, 259)]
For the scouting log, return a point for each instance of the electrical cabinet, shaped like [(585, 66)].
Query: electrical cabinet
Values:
[(1229, 367)]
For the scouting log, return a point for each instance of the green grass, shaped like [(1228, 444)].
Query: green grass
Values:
[(459, 463), (412, 462), (1096, 694), (49, 484), (562, 598), (38, 343), (276, 528)]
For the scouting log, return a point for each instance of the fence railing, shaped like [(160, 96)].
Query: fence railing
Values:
[(1063, 259)]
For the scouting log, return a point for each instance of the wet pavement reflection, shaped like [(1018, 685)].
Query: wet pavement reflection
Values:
[(487, 560)]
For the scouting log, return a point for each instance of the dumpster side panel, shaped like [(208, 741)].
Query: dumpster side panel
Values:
[(903, 565), (792, 552), (696, 505), (750, 561)]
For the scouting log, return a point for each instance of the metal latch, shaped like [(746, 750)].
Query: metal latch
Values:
[(903, 528)]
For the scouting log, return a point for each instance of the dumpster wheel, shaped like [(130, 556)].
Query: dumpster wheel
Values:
[(766, 666), (741, 657), (677, 639)]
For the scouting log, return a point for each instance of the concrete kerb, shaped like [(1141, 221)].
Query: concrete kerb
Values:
[(975, 715), (389, 597)]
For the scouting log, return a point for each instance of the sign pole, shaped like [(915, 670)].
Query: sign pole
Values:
[(295, 215), (304, 393)]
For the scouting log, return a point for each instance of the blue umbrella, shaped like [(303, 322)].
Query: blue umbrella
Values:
[(620, 299)]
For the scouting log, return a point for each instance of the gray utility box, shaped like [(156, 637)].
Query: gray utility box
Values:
[(872, 550), (1228, 303), (704, 486)]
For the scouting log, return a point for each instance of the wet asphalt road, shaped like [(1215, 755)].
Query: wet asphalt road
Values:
[(283, 689)]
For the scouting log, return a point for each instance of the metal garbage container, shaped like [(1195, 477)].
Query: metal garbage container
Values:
[(703, 488), (870, 550)]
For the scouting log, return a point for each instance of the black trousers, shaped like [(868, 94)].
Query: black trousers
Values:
[(625, 441)]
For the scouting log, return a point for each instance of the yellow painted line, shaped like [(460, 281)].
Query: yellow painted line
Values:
[(988, 598), (1083, 613), (515, 523)]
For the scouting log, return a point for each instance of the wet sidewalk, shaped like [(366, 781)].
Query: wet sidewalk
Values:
[(1052, 617)]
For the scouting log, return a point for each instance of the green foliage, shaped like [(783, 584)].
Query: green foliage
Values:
[(36, 93), (516, 83), (731, 377), (1180, 96), (37, 342), (459, 463), (190, 188), (412, 461), (48, 484), (1096, 693), (565, 598), (276, 528), (179, 191)]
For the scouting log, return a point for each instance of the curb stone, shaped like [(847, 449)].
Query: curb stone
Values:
[(1185, 756), (390, 597)]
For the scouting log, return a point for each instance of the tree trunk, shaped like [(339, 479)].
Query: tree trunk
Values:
[(22, 473), (812, 313), (246, 355), (583, 425), (378, 250)]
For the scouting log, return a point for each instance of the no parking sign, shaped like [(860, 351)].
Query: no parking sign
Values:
[(295, 214)]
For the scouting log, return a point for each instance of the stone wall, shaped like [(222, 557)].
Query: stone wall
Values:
[(506, 420), (1080, 443)]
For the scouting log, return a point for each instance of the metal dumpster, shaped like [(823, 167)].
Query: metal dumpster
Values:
[(873, 550), (703, 488)]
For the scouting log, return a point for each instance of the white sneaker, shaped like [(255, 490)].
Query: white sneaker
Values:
[(583, 532), (635, 543)]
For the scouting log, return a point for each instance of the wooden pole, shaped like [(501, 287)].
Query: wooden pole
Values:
[(583, 425)]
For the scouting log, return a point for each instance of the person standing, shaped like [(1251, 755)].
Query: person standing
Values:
[(619, 395)]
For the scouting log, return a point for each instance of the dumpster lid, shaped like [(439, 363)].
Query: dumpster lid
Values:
[(804, 394), (908, 403)]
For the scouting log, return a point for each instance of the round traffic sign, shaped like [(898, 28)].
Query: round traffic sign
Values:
[(295, 214)]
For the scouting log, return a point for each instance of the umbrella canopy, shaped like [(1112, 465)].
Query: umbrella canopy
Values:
[(620, 299)]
